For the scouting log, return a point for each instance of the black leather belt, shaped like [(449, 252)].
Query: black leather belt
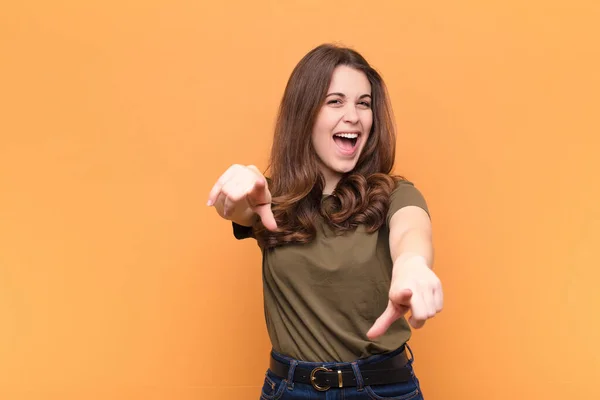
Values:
[(392, 370)]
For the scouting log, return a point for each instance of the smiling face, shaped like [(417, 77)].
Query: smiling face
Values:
[(343, 124)]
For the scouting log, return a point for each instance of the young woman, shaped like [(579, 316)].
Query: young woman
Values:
[(347, 248)]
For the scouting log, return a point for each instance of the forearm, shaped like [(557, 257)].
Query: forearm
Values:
[(414, 285), (415, 245)]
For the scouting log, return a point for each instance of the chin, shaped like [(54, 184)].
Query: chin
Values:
[(344, 169)]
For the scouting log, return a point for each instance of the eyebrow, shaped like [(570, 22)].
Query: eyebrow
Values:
[(343, 95)]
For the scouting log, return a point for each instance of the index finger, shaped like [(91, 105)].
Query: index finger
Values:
[(259, 194)]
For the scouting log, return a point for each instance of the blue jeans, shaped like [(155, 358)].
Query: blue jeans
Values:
[(276, 388)]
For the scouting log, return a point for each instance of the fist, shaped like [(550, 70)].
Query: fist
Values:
[(414, 288), (241, 188)]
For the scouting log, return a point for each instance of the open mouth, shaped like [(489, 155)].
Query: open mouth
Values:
[(346, 141)]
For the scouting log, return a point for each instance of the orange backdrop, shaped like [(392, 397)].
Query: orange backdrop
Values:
[(117, 282)]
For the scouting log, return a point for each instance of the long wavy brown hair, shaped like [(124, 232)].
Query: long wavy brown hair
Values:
[(296, 183)]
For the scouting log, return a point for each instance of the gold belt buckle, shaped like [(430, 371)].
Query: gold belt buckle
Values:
[(313, 379)]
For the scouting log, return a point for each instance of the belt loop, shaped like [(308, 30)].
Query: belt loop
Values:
[(412, 357), (290, 377), (358, 376)]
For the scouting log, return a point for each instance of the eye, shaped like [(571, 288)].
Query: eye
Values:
[(365, 104), (334, 101)]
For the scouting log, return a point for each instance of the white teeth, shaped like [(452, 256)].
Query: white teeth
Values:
[(347, 135)]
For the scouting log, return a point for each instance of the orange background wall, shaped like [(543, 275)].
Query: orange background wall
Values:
[(117, 282)]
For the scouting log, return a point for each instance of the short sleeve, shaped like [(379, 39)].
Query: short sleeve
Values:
[(405, 194), (241, 232)]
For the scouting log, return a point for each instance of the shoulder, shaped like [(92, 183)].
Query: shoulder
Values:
[(402, 183), (404, 194), (404, 187)]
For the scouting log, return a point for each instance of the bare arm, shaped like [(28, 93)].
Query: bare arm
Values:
[(414, 286), (411, 236)]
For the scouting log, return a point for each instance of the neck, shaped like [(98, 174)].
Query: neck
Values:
[(331, 180)]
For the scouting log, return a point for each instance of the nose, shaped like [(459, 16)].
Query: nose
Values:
[(351, 116)]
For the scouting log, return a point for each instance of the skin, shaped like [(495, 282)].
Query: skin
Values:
[(241, 194), (347, 109)]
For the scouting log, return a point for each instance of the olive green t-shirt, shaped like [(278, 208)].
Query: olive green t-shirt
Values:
[(322, 298)]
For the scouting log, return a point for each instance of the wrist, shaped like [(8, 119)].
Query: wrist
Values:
[(408, 260)]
